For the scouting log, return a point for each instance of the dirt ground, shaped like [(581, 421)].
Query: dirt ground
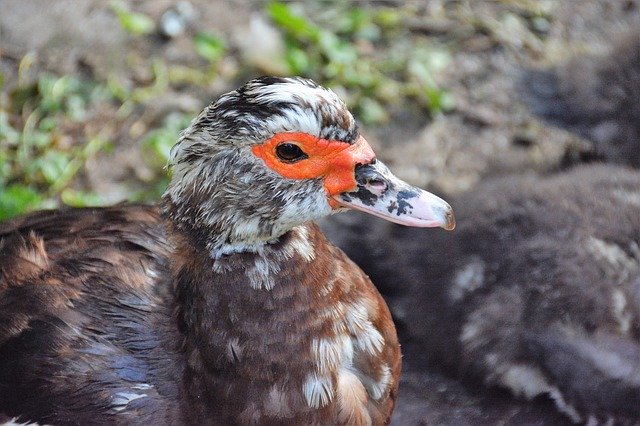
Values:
[(489, 131)]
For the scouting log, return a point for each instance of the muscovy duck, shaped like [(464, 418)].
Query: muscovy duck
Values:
[(226, 304)]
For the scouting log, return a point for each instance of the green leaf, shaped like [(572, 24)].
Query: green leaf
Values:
[(387, 18), (294, 24), (159, 142), (298, 60), (209, 46), (336, 49), (49, 103), (52, 165), (17, 199), (371, 111), (439, 100), (134, 23), (75, 198), (118, 90), (47, 124)]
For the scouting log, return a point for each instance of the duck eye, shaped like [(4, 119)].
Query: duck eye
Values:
[(290, 152)]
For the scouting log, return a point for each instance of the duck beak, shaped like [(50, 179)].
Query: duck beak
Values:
[(382, 194)]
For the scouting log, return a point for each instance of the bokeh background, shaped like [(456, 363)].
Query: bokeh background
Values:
[(94, 93)]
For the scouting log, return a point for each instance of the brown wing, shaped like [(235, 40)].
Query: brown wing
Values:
[(376, 357), (383, 368), (80, 302)]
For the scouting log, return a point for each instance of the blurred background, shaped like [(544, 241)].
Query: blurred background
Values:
[(94, 93)]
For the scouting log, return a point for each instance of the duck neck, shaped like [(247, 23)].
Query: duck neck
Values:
[(242, 315), (220, 233)]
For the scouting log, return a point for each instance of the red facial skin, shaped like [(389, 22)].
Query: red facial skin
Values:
[(334, 161)]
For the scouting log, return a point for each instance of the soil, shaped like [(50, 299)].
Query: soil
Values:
[(490, 130)]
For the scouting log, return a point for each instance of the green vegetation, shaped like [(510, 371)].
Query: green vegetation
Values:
[(134, 23), (38, 156), (51, 126), (209, 46), (364, 54)]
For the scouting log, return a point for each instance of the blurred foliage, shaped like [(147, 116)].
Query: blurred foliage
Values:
[(364, 54), (44, 139), (50, 126), (134, 23), (156, 147), (37, 155), (209, 46)]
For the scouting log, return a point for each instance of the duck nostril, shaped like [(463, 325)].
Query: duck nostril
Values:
[(371, 179), (376, 183), (376, 186)]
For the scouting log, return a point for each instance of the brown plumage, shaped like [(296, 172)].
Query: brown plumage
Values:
[(225, 305), (79, 310)]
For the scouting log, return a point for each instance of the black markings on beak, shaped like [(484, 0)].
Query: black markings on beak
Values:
[(367, 176), (367, 197), (401, 204), (371, 184)]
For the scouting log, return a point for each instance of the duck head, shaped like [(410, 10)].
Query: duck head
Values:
[(274, 154)]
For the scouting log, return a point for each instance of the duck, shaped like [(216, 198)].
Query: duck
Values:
[(537, 293), (224, 303), (596, 97)]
